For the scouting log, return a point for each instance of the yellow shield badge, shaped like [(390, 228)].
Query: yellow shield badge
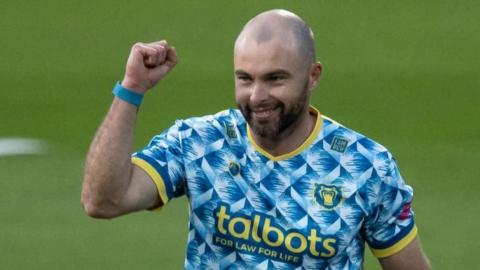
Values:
[(328, 196)]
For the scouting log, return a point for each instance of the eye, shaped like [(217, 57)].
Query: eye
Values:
[(276, 78), (244, 78)]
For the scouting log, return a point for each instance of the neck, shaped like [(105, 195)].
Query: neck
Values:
[(289, 139)]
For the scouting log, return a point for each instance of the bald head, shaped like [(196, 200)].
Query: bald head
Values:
[(280, 27)]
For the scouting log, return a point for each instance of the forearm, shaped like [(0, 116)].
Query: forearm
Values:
[(111, 185), (411, 257), (108, 167)]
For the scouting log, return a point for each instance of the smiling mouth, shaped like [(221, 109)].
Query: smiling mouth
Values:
[(263, 114)]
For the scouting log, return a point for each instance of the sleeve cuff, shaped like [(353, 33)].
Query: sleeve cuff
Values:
[(156, 178), (399, 245)]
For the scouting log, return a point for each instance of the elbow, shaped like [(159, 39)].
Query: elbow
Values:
[(97, 210)]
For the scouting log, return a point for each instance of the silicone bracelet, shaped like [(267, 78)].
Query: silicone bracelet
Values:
[(127, 95)]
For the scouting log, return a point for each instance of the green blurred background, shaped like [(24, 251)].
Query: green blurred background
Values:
[(405, 73)]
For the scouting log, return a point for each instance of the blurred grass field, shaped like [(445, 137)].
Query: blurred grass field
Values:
[(405, 73)]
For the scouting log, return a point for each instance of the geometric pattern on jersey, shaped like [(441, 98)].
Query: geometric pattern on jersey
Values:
[(313, 208)]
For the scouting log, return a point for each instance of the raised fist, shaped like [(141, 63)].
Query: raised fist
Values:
[(147, 64)]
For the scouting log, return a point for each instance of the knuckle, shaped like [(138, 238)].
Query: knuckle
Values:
[(160, 47)]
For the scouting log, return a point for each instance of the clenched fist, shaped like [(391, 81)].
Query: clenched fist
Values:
[(147, 64)]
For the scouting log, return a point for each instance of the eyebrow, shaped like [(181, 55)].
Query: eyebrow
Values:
[(272, 73), (241, 72), (277, 72)]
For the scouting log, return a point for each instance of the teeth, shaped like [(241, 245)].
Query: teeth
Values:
[(263, 113)]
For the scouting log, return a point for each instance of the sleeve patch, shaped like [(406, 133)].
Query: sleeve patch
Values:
[(406, 213)]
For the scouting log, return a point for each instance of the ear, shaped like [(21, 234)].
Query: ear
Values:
[(315, 75)]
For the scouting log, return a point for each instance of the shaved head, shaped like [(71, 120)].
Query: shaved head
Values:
[(275, 73), (281, 27)]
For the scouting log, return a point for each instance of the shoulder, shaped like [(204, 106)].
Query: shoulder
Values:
[(356, 141), (211, 126), (354, 146), (225, 116)]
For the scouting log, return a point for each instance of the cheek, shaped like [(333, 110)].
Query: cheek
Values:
[(241, 95), (285, 93), (295, 90)]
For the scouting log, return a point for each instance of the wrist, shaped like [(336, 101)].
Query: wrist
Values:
[(133, 86), (127, 95)]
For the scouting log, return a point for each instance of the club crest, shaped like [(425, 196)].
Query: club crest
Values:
[(327, 196)]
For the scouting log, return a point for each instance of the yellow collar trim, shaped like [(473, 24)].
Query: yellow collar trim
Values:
[(305, 144)]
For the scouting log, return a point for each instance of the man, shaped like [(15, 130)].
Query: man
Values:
[(273, 185)]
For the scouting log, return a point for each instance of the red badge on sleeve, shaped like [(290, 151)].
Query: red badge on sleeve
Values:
[(405, 212)]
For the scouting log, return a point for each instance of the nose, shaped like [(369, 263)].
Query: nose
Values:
[(259, 94)]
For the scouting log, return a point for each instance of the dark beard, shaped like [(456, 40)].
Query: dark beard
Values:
[(274, 127)]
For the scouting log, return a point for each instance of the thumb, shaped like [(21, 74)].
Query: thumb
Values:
[(160, 71), (170, 62)]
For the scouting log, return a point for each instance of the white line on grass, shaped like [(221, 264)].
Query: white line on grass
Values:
[(21, 146)]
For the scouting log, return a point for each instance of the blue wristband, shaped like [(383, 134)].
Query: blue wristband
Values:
[(127, 95)]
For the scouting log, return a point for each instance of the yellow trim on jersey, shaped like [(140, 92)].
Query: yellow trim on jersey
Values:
[(305, 144), (155, 176), (382, 253)]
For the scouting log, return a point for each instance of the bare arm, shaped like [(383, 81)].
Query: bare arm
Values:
[(112, 185), (409, 258)]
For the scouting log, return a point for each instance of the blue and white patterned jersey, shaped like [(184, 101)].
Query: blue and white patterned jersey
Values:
[(312, 208)]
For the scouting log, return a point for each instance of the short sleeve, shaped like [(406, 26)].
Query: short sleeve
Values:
[(391, 227), (162, 160)]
